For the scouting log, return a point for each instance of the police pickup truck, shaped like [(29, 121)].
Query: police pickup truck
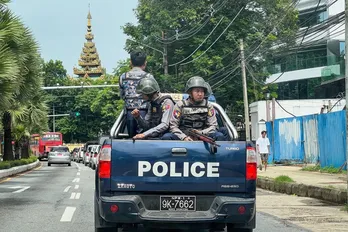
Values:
[(175, 184)]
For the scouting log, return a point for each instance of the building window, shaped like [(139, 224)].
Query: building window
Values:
[(307, 19), (342, 48)]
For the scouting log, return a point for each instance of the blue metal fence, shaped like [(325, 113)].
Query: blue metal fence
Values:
[(309, 139), (332, 138)]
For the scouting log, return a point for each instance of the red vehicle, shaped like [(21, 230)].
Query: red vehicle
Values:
[(40, 145)]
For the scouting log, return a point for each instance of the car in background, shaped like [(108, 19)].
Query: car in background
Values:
[(59, 155), (74, 154), (94, 156), (87, 155), (79, 156), (85, 159)]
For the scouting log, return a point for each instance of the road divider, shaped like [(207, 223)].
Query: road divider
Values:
[(19, 169), (328, 194)]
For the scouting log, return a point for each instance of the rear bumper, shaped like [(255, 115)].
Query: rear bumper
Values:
[(132, 210), (60, 160)]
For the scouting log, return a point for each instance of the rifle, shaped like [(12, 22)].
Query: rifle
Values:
[(203, 138)]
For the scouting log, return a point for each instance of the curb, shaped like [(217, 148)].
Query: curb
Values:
[(331, 195), (18, 169)]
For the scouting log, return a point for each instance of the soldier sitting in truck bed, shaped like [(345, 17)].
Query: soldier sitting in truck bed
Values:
[(194, 113), (156, 121)]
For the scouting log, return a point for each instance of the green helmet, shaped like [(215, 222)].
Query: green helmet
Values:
[(196, 82), (148, 86)]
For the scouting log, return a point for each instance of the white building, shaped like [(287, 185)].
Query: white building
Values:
[(316, 68)]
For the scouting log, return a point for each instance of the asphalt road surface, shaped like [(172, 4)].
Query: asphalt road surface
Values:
[(60, 198)]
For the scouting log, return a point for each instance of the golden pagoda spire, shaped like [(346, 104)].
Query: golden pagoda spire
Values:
[(89, 16), (89, 59)]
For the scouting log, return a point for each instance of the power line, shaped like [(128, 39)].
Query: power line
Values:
[(264, 40), (342, 96), (213, 86), (188, 34), (199, 45), (217, 38), (284, 108)]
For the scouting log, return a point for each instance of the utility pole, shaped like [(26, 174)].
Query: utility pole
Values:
[(346, 92), (165, 54), (245, 93), (54, 118)]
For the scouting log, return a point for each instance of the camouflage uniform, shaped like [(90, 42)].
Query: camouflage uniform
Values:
[(189, 115), (128, 84), (156, 121)]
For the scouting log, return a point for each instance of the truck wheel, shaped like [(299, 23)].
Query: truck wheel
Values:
[(48, 164), (69, 164)]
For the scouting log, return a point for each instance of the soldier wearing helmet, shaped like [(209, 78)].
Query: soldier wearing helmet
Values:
[(194, 113), (156, 121)]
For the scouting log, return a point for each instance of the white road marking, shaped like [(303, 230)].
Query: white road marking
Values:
[(68, 214), (77, 186), (21, 189), (76, 180), (78, 173), (67, 189), (78, 195), (72, 195)]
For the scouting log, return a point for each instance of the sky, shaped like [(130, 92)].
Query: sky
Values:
[(60, 26)]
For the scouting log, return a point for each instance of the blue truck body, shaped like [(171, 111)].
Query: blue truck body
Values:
[(175, 184)]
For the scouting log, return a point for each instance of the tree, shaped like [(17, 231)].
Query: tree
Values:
[(261, 24), (54, 72), (18, 43)]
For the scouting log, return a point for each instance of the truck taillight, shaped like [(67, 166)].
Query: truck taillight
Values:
[(105, 162), (251, 164)]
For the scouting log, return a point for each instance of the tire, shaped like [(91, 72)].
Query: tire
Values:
[(69, 164), (85, 164), (48, 164), (99, 222)]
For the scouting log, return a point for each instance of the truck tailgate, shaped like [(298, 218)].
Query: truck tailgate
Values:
[(176, 165)]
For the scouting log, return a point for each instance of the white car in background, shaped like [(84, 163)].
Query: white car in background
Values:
[(94, 156)]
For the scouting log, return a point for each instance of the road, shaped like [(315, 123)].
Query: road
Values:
[(60, 198)]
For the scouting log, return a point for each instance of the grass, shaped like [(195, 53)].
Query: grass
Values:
[(283, 178), (345, 208), (317, 168), (15, 163)]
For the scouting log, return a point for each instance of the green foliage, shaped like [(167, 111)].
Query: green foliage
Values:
[(254, 25), (54, 72), (283, 178), (98, 108), (15, 163), (317, 168), (20, 80)]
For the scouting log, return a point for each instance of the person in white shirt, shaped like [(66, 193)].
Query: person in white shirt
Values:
[(263, 148)]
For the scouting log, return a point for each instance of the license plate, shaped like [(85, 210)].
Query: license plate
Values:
[(178, 203)]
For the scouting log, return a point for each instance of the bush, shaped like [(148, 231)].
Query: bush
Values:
[(284, 178), (15, 163), (5, 165)]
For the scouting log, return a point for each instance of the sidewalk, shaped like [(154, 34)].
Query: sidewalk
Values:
[(318, 179), (323, 186)]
